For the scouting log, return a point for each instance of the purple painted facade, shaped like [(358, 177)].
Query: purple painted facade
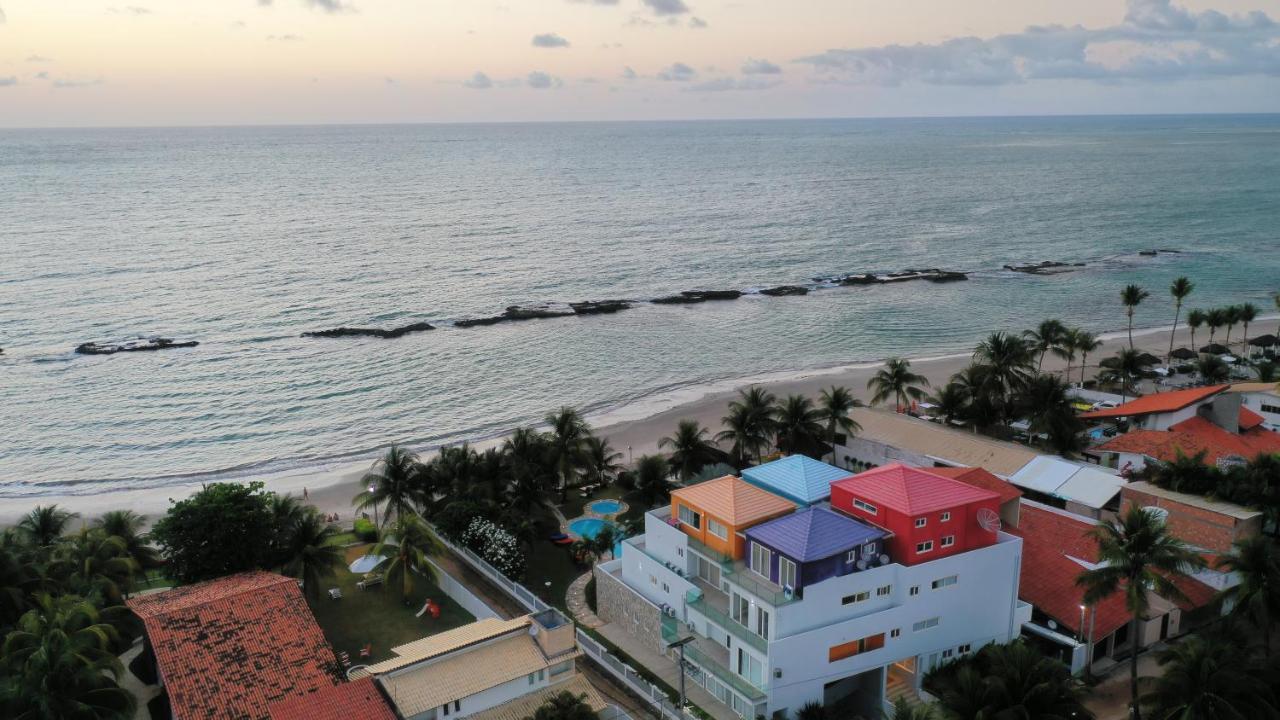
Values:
[(819, 542)]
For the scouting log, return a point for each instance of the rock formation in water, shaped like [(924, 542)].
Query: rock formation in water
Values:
[(153, 343), (1046, 267), (689, 297), (783, 290), (371, 332)]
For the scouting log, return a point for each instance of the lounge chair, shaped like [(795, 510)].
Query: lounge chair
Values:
[(335, 593)]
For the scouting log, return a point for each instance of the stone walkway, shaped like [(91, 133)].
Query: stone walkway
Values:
[(576, 600), (142, 692)]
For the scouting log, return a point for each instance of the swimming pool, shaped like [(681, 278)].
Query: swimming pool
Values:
[(604, 507), (588, 528)]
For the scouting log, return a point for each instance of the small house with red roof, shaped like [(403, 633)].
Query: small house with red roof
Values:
[(928, 515), (1160, 411), (982, 479)]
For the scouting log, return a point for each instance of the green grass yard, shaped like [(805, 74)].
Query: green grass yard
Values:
[(377, 616)]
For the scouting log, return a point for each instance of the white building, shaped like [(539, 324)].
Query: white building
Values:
[(1262, 398)]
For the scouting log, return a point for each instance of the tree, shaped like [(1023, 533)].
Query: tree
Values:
[(1137, 554), (127, 525), (1180, 288), (1265, 370), (1086, 343), (44, 525), (1248, 313), (895, 380), (1047, 408), (564, 705), (1008, 365), (690, 449), (1215, 318), (952, 401), (1048, 335), (1256, 563), (600, 461), (903, 710), (98, 567), (225, 528), (603, 541), (1195, 319), (750, 423), (60, 663), (1231, 315), (1131, 297), (566, 443), (1213, 369), (1010, 680), (652, 486), (835, 403), (391, 482), (406, 545), (1124, 367), (313, 551), (798, 427), (1209, 679)]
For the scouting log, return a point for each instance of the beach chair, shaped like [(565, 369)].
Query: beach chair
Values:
[(367, 650), (335, 593)]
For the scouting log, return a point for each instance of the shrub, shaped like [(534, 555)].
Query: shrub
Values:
[(365, 530), (498, 547)]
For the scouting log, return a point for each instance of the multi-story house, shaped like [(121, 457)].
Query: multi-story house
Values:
[(818, 608)]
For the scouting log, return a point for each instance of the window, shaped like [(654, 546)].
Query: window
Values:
[(1275, 409), (945, 582), (690, 518), (866, 507), (445, 707), (786, 572), (869, 549), (964, 648), (925, 624), (738, 609), (761, 559), (680, 552), (924, 547), (921, 522), (853, 647), (947, 653), (915, 590), (884, 590), (851, 557), (946, 517), (665, 589), (948, 540), (895, 632), (653, 580), (560, 668), (457, 705), (717, 529), (762, 623), (855, 598), (750, 668)]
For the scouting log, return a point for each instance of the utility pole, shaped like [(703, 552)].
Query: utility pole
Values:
[(680, 644)]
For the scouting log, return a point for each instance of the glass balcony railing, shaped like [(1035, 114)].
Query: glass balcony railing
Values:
[(733, 627), (737, 572), (724, 674)]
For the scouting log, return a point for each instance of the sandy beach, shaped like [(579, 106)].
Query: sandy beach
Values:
[(632, 430)]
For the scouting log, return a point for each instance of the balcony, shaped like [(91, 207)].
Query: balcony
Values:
[(737, 572), (712, 659), (705, 606)]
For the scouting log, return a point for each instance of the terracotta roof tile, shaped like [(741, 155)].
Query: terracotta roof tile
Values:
[(1192, 436), (980, 478), (1250, 419), (358, 700), (1157, 403)]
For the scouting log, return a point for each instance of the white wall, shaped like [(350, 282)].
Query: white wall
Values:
[(460, 594), (1162, 421), (877, 454), (1254, 401)]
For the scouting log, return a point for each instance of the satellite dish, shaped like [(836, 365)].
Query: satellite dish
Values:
[(988, 520), (533, 629), (1158, 513), (862, 564), (884, 559), (1053, 625)]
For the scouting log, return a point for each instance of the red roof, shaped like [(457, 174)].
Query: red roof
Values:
[(1192, 436), (980, 478), (1157, 403), (359, 700), (228, 648), (1250, 419), (911, 491)]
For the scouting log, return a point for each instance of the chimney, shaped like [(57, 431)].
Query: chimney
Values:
[(1224, 412)]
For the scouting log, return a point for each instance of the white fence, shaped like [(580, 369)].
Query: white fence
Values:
[(463, 596), (627, 675)]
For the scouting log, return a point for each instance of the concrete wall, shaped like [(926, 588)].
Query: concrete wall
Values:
[(857, 448), (463, 596)]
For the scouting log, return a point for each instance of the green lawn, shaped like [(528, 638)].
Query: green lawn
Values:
[(377, 616)]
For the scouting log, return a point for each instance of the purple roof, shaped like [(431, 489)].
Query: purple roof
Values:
[(813, 534)]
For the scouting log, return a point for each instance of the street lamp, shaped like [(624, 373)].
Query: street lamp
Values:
[(680, 644), (372, 488), (1080, 627)]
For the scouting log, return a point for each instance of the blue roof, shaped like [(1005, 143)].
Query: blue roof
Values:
[(813, 534), (797, 477)]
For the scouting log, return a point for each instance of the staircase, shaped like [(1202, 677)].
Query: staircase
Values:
[(898, 687)]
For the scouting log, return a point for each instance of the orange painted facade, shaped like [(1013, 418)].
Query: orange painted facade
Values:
[(716, 511)]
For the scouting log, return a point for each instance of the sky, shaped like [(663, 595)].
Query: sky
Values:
[(226, 62)]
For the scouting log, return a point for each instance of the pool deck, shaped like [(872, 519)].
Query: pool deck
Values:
[(589, 514)]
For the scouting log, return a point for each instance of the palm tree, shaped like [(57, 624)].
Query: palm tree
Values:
[(1125, 366), (1231, 315), (313, 551), (1213, 369), (1008, 364), (391, 481), (1180, 288), (566, 443), (903, 710), (652, 486), (973, 386), (1275, 297), (603, 541), (1215, 318), (599, 460), (1068, 348), (564, 705), (952, 401), (1086, 343), (1011, 680), (127, 525), (407, 545), (895, 380), (1248, 313), (750, 422), (43, 526), (799, 427), (1131, 297), (1256, 563), (1208, 678), (60, 663), (1195, 319), (1046, 406), (1048, 335), (690, 448), (97, 566), (835, 403), (1137, 554), (14, 577)]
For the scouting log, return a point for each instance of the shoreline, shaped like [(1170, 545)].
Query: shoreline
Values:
[(632, 427)]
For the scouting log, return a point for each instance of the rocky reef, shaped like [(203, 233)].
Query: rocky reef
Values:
[(142, 345), (689, 297), (784, 290), (371, 332), (1045, 267)]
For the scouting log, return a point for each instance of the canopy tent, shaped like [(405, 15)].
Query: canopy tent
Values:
[(1147, 360)]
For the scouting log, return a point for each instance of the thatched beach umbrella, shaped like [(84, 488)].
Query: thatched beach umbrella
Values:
[(1147, 360), (1183, 353), (1264, 341), (1215, 349)]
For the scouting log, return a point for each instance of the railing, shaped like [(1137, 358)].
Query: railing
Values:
[(733, 627), (628, 676), (518, 592), (737, 572), (724, 674)]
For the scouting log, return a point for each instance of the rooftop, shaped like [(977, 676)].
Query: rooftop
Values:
[(944, 444), (912, 491), (446, 642), (1256, 387), (734, 500), (981, 478), (1087, 485), (526, 705), (798, 477), (813, 534), (1215, 506), (347, 701), (231, 647), (1192, 436), (1157, 403)]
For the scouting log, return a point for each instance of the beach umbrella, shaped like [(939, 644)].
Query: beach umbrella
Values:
[(365, 563), (1215, 349), (1183, 353), (1147, 360), (1110, 363), (1264, 341)]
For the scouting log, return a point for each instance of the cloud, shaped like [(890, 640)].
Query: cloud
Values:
[(7, 81), (541, 81), (1154, 41), (549, 40), (133, 10), (697, 23), (64, 83), (666, 7), (479, 81), (727, 84), (677, 72), (330, 6), (288, 37), (755, 66), (38, 59), (628, 73)]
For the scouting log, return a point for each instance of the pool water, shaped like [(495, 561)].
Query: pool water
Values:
[(587, 528), (605, 507)]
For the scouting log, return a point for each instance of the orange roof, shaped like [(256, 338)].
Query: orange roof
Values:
[(356, 700), (1157, 403), (734, 500), (231, 647), (1192, 436), (1250, 419), (980, 478)]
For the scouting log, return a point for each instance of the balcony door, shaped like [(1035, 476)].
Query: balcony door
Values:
[(707, 570)]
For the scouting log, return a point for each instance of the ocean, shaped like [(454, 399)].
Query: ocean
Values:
[(244, 238)]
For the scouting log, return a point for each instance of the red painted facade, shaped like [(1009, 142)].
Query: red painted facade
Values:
[(902, 496)]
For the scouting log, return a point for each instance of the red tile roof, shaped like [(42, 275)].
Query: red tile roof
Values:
[(1198, 594), (980, 478), (911, 491), (1157, 403), (228, 648), (358, 700), (1250, 419), (1192, 436)]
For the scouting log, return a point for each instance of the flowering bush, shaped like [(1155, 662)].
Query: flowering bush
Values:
[(498, 547)]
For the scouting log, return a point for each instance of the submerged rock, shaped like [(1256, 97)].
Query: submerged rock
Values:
[(599, 307), (371, 332), (783, 290), (1045, 267), (152, 343), (476, 322), (930, 274), (697, 296), (536, 312)]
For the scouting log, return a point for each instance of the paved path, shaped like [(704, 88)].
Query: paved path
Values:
[(142, 692), (576, 600), (665, 668), (1109, 699)]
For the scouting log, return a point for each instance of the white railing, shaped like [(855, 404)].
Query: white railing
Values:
[(515, 590), (633, 680)]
